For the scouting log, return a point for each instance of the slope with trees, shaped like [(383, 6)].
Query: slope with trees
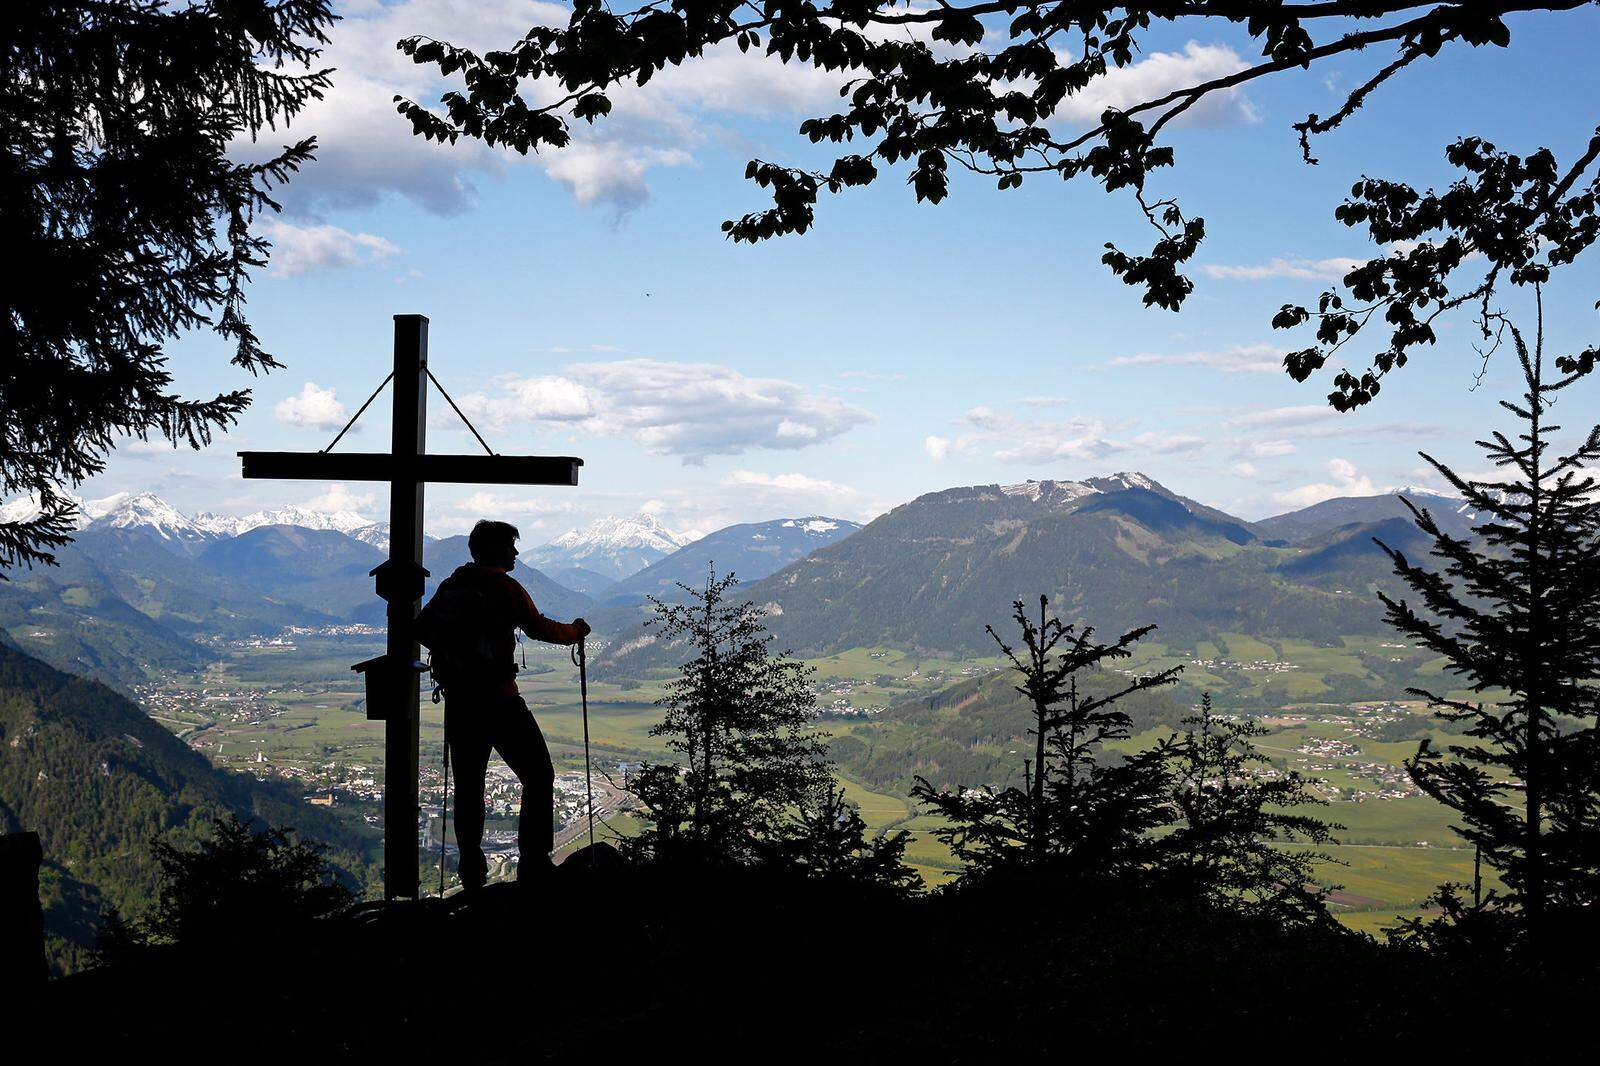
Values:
[(101, 782)]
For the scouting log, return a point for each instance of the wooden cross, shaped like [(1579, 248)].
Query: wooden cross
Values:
[(407, 467)]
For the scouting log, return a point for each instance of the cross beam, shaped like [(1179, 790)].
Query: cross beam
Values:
[(378, 466), (407, 467)]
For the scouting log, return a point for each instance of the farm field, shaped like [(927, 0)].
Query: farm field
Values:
[(298, 711)]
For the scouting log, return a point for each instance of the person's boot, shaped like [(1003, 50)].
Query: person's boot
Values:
[(474, 870)]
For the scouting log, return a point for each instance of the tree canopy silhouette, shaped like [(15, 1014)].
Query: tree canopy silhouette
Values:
[(1515, 612), (1080, 812), (737, 716), (1231, 816), (118, 193), (923, 86)]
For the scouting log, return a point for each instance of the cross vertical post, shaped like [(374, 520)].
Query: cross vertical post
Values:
[(393, 680), (410, 428)]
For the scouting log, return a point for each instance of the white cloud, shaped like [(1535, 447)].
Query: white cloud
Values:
[(1241, 358), (1244, 469), (366, 151), (449, 513), (298, 249), (1019, 440), (1294, 267), (790, 484), (1347, 481), (871, 375), (1168, 443), (339, 497), (145, 448), (691, 410), (538, 399), (1160, 73), (313, 408), (1268, 449), (1299, 415), (1009, 438), (1044, 401)]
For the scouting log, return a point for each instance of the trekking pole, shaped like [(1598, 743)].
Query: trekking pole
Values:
[(582, 658), (444, 808)]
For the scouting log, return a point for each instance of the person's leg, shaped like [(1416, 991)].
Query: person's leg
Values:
[(517, 738), (469, 759)]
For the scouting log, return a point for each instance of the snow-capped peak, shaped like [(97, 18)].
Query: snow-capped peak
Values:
[(1054, 492), (303, 517), (1121, 481), (815, 526), (146, 510), (1060, 492), (613, 546), (642, 530), (26, 508)]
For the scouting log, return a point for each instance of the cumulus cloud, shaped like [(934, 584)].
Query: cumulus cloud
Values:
[(1168, 443), (450, 510), (312, 408), (340, 497), (302, 249), (366, 151), (1159, 74), (1010, 438), (1346, 481), (1239, 359), (1294, 267), (1244, 469), (1022, 440), (1299, 415), (790, 484), (691, 410)]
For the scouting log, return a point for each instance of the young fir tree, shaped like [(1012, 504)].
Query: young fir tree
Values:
[(736, 716), (1229, 819), (828, 841), (1076, 813), (241, 881), (1516, 615)]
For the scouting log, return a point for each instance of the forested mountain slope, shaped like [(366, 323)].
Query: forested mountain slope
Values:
[(99, 781)]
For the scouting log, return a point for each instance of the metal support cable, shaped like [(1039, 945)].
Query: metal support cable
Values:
[(361, 411), (465, 421)]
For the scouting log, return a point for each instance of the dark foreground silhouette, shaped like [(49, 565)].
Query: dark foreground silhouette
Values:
[(630, 961), (471, 624)]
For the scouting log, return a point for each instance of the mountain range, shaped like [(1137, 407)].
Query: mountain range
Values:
[(1117, 552), (612, 547), (750, 551), (146, 587)]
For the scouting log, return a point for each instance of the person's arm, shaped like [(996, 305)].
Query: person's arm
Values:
[(537, 626)]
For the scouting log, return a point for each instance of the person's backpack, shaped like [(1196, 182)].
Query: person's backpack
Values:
[(453, 626)]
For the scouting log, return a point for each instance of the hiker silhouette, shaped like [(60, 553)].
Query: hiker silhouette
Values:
[(470, 626)]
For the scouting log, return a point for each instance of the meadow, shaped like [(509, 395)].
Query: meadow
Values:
[(302, 708)]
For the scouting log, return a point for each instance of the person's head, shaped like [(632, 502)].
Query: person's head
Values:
[(494, 544)]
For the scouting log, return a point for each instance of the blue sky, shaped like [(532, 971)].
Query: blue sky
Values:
[(586, 302)]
